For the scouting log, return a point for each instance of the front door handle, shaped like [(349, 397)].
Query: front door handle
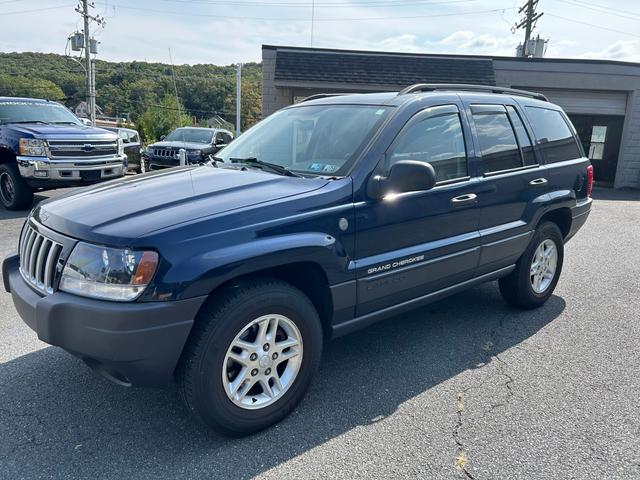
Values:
[(463, 200), (538, 182)]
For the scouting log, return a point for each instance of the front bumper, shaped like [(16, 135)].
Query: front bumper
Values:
[(72, 170), (129, 343)]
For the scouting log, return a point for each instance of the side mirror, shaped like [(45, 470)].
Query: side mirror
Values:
[(405, 176), (162, 137)]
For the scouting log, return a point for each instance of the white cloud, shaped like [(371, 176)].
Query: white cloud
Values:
[(400, 43), (469, 42), (625, 50)]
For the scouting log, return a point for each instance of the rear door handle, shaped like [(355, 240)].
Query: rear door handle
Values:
[(538, 182), (463, 200)]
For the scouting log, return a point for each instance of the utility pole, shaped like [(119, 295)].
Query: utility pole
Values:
[(313, 18), (528, 22), (83, 9), (87, 60), (238, 96)]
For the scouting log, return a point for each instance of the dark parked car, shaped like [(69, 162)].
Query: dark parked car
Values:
[(44, 146), (197, 142), (132, 147), (322, 219)]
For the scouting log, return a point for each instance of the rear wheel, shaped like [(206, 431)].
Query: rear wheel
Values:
[(537, 271), (251, 357), (15, 194)]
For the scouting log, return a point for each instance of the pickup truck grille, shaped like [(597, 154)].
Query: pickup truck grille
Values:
[(82, 148), (38, 258)]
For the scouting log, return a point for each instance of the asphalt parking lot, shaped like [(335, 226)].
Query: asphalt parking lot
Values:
[(464, 388)]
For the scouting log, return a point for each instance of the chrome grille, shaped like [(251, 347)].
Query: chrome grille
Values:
[(38, 258), (82, 148)]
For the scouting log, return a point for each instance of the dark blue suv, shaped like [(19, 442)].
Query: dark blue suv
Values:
[(322, 219)]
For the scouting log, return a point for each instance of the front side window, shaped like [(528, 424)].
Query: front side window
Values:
[(316, 139), (434, 137), (498, 144), (553, 134)]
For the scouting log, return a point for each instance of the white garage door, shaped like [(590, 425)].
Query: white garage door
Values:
[(587, 102)]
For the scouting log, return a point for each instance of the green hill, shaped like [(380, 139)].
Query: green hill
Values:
[(129, 89)]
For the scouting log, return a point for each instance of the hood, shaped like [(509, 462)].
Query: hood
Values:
[(120, 211), (180, 144), (39, 130)]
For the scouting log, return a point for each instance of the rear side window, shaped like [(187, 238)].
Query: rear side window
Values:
[(435, 137), (524, 141), (498, 144), (553, 134)]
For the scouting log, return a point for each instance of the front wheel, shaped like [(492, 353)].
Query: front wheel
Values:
[(537, 271), (251, 357), (15, 194)]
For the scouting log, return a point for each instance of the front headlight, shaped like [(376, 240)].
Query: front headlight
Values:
[(33, 147), (108, 273), (194, 153)]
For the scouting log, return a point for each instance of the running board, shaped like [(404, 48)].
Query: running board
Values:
[(370, 318)]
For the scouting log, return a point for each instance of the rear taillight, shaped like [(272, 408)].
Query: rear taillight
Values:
[(589, 180)]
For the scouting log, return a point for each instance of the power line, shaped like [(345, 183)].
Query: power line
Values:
[(306, 5), (593, 25), (38, 9), (606, 10), (293, 19)]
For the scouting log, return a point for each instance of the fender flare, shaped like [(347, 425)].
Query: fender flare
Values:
[(201, 274)]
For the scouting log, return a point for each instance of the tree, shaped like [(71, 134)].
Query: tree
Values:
[(251, 104), (160, 119), (19, 86)]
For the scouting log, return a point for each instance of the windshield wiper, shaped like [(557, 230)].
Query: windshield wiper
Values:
[(30, 121), (253, 161), (65, 123)]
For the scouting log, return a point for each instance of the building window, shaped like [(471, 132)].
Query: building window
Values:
[(596, 146)]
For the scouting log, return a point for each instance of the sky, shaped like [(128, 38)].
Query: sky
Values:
[(223, 32)]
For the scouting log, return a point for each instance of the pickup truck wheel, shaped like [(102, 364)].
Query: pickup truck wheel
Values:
[(250, 357), (537, 271), (15, 194)]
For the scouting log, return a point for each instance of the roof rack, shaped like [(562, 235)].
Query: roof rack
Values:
[(431, 87), (320, 95)]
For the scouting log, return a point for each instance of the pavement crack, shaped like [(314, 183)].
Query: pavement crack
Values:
[(461, 460)]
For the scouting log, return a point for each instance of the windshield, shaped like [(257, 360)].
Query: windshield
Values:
[(45, 112), (323, 139), (195, 135)]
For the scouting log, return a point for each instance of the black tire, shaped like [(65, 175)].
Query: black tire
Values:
[(517, 288), (15, 194), (200, 370)]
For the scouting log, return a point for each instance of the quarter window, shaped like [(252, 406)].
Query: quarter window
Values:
[(435, 137), (553, 134), (496, 137)]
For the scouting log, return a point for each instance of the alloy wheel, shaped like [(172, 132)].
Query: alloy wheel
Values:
[(262, 362), (543, 266)]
